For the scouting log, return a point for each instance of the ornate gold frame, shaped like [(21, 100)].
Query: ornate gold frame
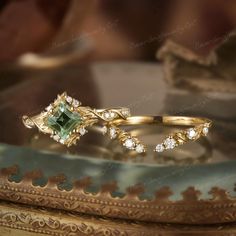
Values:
[(36, 221), (189, 210)]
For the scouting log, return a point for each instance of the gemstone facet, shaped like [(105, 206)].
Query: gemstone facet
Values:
[(63, 121)]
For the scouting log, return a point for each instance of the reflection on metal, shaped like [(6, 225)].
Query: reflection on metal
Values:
[(190, 209)]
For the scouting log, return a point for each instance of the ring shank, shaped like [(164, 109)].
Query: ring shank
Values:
[(164, 120)]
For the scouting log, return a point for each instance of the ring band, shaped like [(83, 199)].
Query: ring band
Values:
[(197, 127), (66, 120)]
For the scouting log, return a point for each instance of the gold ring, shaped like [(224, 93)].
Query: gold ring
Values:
[(197, 127), (66, 120)]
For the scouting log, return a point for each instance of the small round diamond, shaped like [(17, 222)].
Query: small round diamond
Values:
[(159, 148), (129, 143), (104, 130), (112, 133), (169, 143), (106, 115), (49, 108), (62, 141), (112, 115), (109, 115), (56, 137), (75, 103), (82, 131), (191, 133), (205, 130), (69, 99), (140, 148), (126, 113)]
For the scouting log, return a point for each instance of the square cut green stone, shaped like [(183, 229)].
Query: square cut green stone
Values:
[(63, 121)]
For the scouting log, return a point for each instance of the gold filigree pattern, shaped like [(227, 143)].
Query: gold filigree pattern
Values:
[(61, 223)]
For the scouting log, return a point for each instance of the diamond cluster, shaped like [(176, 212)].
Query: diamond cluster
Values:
[(129, 142), (173, 141), (132, 144), (168, 143), (75, 103), (111, 115)]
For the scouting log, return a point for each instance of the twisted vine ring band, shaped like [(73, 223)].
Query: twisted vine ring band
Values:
[(197, 127), (66, 120)]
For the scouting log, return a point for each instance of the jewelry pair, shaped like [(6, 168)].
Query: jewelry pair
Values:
[(66, 121)]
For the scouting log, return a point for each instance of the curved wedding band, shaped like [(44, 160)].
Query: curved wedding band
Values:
[(197, 127), (66, 120)]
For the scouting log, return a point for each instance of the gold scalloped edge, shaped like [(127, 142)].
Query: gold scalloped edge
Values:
[(190, 209)]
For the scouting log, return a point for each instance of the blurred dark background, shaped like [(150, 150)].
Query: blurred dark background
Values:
[(116, 29)]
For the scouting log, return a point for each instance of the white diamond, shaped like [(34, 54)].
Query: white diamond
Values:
[(205, 130), (62, 141), (49, 108), (104, 130), (106, 115), (109, 115), (75, 103), (56, 137), (82, 131), (112, 133), (191, 133), (126, 113), (112, 115), (159, 148), (139, 148), (69, 99), (169, 143), (129, 143)]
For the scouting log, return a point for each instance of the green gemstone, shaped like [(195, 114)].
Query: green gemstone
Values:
[(63, 121)]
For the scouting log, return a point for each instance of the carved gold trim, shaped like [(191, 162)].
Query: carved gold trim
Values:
[(60, 223), (189, 210)]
